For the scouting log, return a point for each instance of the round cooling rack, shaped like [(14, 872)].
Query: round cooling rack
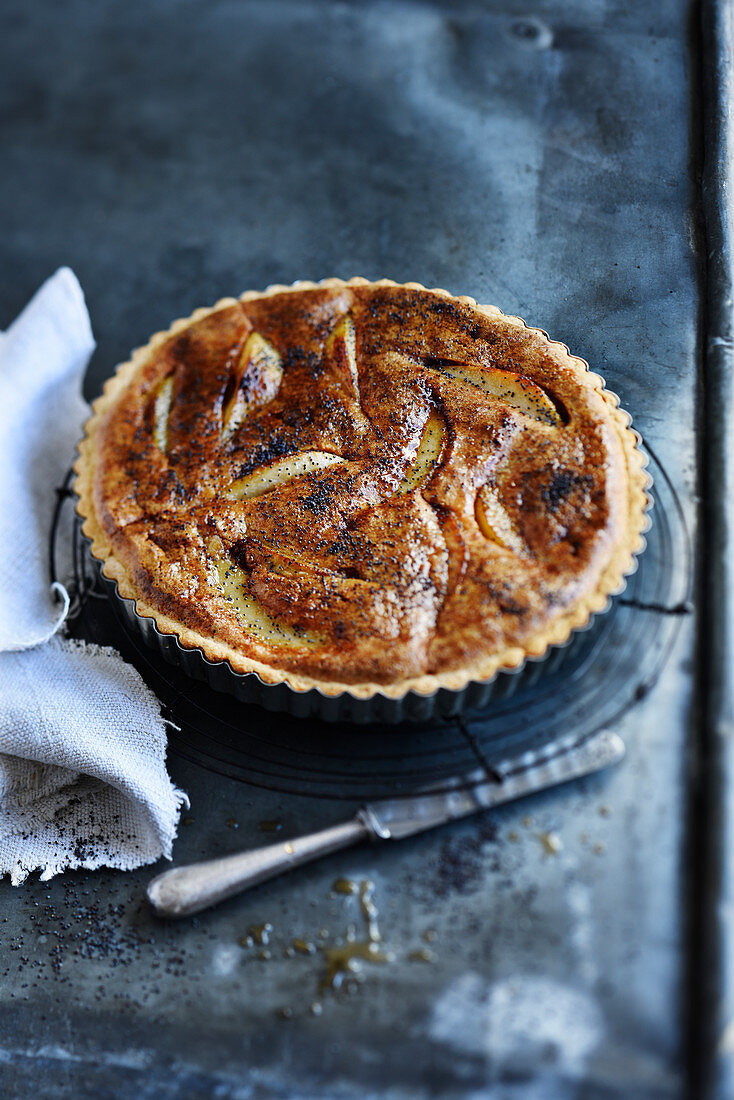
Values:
[(550, 704)]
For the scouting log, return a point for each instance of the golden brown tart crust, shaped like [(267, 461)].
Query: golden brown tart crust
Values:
[(361, 486)]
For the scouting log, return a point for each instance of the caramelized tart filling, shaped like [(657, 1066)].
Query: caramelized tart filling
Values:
[(361, 483)]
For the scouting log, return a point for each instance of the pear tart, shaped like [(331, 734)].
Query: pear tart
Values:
[(361, 487)]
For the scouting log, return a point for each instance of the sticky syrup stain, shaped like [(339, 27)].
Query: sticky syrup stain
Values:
[(344, 958), (345, 886), (422, 954), (551, 842), (369, 909), (261, 933), (304, 947), (343, 961)]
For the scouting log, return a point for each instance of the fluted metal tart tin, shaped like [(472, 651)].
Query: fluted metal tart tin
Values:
[(413, 705)]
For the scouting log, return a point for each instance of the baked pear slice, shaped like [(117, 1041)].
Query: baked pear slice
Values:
[(341, 354), (494, 522), (280, 473), (427, 456), (255, 382), (507, 386), (161, 413), (251, 613)]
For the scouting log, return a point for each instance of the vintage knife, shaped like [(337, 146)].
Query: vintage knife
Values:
[(186, 890)]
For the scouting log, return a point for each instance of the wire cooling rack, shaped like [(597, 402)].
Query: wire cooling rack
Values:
[(555, 704)]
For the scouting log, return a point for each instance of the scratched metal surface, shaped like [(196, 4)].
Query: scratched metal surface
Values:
[(546, 162)]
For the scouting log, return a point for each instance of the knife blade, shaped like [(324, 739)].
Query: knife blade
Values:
[(397, 818)]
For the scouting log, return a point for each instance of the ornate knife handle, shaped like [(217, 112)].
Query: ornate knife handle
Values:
[(186, 890)]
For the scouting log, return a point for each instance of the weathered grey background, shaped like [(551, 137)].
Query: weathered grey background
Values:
[(539, 156)]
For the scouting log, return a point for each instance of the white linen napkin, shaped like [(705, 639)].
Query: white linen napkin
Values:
[(83, 780)]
